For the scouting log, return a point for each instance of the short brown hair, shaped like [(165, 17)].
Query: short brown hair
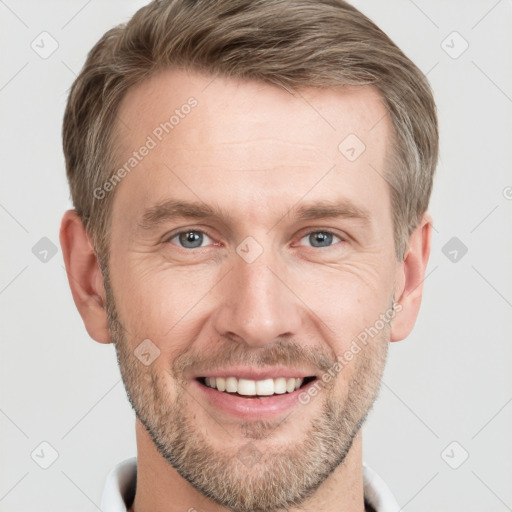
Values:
[(288, 43)]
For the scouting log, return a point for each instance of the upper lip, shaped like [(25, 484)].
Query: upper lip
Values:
[(249, 373)]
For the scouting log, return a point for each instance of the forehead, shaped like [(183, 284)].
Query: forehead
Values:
[(211, 137)]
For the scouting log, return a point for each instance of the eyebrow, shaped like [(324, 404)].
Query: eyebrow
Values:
[(339, 209), (173, 209)]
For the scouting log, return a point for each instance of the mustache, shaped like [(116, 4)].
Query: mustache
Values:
[(287, 353)]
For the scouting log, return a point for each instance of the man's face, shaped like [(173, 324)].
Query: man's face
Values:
[(269, 285)]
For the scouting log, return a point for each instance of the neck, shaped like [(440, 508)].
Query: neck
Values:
[(160, 488)]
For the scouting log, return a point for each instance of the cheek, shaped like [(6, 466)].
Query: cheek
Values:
[(159, 302), (345, 299)]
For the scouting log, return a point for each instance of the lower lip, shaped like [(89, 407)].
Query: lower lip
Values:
[(251, 408)]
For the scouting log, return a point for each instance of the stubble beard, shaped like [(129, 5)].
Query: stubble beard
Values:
[(248, 476)]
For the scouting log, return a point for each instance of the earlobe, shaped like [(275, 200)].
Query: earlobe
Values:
[(84, 276), (411, 274)]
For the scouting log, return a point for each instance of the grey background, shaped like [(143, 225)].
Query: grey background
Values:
[(450, 381)]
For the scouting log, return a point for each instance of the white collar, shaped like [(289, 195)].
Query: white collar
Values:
[(120, 484)]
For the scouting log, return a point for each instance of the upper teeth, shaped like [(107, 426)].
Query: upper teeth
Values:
[(255, 387)]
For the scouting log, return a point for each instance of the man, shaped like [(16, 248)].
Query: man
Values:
[(250, 182)]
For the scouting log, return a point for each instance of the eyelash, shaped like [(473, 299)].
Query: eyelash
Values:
[(325, 231)]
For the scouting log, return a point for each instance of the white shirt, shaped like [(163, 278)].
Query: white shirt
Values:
[(119, 489)]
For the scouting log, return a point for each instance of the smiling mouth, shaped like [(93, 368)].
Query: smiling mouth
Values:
[(246, 388)]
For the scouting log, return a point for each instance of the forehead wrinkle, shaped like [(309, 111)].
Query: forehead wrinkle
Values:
[(258, 147)]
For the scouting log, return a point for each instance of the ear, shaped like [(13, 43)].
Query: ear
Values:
[(410, 277), (84, 276)]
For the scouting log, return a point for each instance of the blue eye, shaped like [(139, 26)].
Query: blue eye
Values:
[(190, 239), (194, 239), (321, 238)]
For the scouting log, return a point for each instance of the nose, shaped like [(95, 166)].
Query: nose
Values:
[(256, 305)]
